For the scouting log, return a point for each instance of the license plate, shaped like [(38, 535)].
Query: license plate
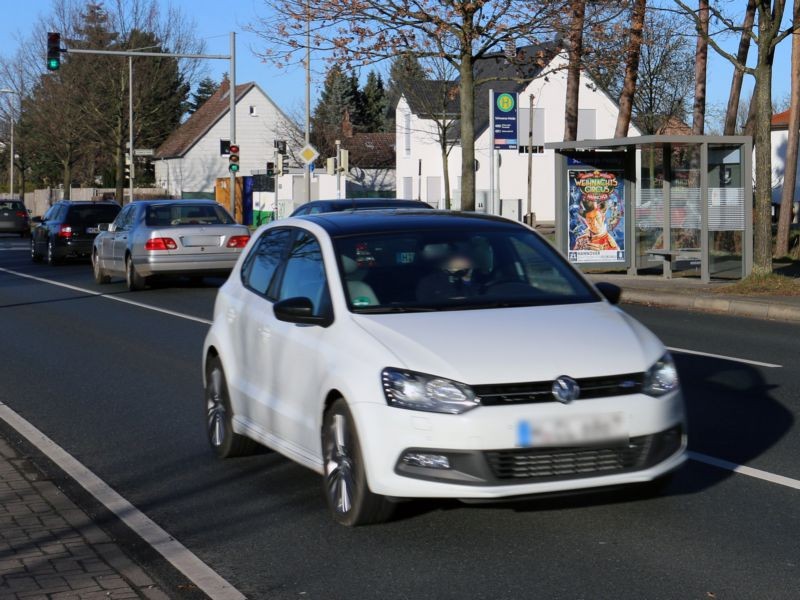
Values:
[(574, 430), (92, 230)]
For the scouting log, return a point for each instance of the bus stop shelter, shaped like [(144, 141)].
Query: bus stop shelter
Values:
[(668, 204)]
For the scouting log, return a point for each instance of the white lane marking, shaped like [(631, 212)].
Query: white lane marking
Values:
[(178, 555), (75, 288), (744, 470), (746, 361)]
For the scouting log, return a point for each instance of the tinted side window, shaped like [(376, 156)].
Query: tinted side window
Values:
[(122, 222), (264, 259), (304, 275)]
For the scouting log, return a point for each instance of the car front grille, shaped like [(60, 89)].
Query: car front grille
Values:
[(551, 464), (541, 391)]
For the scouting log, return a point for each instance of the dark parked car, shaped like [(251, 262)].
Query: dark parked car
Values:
[(326, 206), (68, 229), (14, 217)]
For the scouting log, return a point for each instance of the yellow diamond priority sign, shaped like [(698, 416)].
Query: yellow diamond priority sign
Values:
[(309, 154)]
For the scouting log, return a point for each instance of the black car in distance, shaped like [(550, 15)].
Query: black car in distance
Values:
[(327, 206), (14, 217), (68, 229)]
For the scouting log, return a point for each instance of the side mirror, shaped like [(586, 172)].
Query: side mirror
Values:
[(37, 220), (610, 292), (103, 227), (299, 310)]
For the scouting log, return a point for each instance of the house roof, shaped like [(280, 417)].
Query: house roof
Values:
[(204, 118), (371, 150), (781, 120), (428, 97)]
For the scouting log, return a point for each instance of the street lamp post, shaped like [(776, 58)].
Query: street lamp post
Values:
[(11, 160)]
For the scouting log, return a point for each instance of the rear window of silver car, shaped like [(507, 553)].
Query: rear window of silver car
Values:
[(176, 215)]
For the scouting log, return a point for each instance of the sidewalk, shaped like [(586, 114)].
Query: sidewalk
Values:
[(691, 294), (50, 549)]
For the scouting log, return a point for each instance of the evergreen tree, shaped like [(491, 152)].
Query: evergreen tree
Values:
[(404, 70), (205, 89), (371, 115), (339, 94)]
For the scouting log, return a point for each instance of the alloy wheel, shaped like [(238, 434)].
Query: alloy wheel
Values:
[(339, 465)]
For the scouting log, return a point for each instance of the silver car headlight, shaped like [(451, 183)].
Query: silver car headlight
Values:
[(418, 391), (662, 377)]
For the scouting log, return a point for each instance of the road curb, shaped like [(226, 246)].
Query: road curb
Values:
[(742, 308)]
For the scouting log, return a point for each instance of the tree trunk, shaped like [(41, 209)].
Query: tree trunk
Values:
[(631, 69), (762, 215), (66, 165), (467, 101), (790, 168), (446, 174), (578, 9), (738, 76), (700, 64)]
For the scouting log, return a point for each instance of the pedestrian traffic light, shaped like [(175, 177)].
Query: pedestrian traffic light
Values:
[(53, 51), (233, 158), (270, 169)]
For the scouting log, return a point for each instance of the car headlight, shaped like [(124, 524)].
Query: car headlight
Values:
[(662, 377), (417, 391)]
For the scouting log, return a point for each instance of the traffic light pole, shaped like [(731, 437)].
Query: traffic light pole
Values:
[(131, 153), (232, 95), (230, 57)]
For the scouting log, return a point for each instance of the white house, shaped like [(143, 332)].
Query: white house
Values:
[(419, 161), (195, 154), (779, 142)]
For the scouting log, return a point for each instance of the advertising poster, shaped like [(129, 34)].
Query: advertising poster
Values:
[(596, 216)]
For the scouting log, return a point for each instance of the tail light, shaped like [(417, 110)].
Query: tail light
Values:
[(238, 241), (162, 243), (65, 231), (22, 214)]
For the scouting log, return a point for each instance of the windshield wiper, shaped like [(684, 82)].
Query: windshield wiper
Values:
[(368, 310)]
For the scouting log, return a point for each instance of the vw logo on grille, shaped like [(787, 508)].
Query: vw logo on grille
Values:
[(565, 389)]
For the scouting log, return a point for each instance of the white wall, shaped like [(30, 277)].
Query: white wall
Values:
[(780, 139), (199, 168), (549, 95)]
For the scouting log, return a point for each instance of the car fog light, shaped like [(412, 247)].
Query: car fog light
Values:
[(427, 461)]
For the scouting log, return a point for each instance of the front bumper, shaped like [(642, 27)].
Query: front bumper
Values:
[(486, 463), (194, 264)]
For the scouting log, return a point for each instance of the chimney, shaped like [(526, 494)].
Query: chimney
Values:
[(510, 50)]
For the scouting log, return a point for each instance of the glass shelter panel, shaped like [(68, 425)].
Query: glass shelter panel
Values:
[(726, 211), (650, 208), (684, 208)]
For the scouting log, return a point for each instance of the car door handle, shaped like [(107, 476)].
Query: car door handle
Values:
[(231, 315), (264, 332)]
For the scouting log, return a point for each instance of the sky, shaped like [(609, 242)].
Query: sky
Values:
[(216, 18)]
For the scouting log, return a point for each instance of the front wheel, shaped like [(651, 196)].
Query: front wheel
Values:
[(100, 276), (219, 417), (134, 281), (350, 500)]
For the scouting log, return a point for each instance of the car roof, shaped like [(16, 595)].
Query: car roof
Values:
[(88, 202), (374, 221), (175, 201), (345, 202)]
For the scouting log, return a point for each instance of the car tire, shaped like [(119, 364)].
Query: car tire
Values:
[(35, 256), (51, 256), (350, 500), (100, 276), (134, 281), (219, 416)]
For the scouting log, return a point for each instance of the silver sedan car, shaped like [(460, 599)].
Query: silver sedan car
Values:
[(193, 238)]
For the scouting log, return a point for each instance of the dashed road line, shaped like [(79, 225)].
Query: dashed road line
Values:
[(746, 361)]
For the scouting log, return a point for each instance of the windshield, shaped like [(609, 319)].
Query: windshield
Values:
[(453, 270), (11, 205), (174, 215), (91, 215)]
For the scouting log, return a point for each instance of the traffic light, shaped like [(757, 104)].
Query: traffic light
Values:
[(270, 169), (53, 51), (233, 158), (127, 166), (283, 165)]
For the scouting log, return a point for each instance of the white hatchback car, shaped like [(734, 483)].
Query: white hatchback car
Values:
[(406, 354)]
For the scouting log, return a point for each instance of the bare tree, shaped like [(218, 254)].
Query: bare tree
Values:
[(366, 31), (575, 52), (766, 36), (700, 67), (632, 53), (790, 168), (745, 40)]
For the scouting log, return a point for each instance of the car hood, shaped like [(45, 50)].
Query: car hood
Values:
[(519, 344)]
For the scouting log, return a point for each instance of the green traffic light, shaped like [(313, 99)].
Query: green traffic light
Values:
[(233, 168), (53, 64)]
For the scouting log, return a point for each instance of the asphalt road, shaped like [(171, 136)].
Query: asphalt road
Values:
[(119, 387)]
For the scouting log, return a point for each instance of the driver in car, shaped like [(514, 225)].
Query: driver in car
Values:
[(454, 278)]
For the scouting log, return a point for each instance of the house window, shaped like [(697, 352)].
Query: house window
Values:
[(253, 111), (535, 150), (224, 147), (407, 133)]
